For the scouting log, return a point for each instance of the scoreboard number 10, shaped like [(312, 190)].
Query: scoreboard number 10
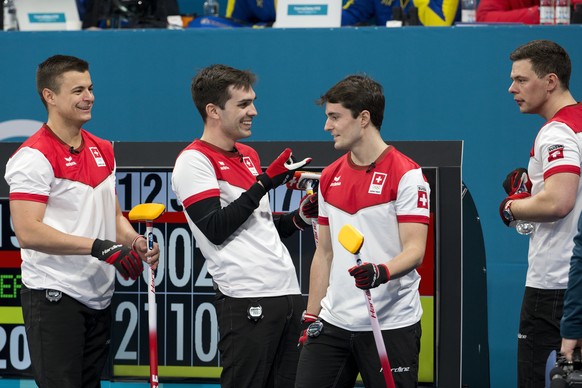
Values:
[(187, 321)]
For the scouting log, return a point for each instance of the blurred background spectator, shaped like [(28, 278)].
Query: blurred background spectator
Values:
[(519, 11), (358, 12), (126, 13), (417, 12)]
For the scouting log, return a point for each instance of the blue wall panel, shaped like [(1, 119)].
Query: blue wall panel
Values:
[(440, 83)]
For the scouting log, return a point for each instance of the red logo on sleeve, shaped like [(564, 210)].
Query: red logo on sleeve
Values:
[(555, 152), (422, 199)]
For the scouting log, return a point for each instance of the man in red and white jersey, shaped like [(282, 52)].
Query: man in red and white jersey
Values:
[(222, 188), (540, 76), (71, 232), (384, 194)]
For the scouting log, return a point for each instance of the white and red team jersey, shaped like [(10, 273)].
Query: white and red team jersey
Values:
[(375, 200), (252, 262), (79, 192), (557, 149)]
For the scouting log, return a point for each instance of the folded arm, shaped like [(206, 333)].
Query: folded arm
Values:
[(32, 233)]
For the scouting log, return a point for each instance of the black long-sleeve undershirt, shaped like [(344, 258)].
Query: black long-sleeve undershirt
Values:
[(219, 223)]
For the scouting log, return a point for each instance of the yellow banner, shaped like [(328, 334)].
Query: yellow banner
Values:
[(173, 371), (11, 316)]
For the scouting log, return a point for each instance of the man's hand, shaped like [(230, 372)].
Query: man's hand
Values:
[(307, 211), (369, 275), (124, 259), (140, 246), (281, 170), (306, 321), (505, 207), (568, 346), (517, 181)]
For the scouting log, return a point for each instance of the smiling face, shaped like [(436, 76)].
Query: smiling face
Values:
[(345, 129), (529, 91), (237, 116), (73, 100)]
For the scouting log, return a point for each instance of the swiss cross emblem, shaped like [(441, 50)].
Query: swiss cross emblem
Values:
[(555, 152), (97, 156), (422, 201), (377, 183), (249, 163)]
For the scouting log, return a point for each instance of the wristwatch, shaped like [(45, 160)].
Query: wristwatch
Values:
[(315, 329), (315, 326)]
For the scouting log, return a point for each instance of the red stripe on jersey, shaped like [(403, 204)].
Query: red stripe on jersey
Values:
[(562, 169), (413, 219), (28, 197), (200, 196), (323, 221)]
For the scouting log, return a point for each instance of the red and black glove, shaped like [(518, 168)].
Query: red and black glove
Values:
[(125, 260), (281, 170), (306, 321), (505, 208), (517, 181), (308, 210), (370, 275)]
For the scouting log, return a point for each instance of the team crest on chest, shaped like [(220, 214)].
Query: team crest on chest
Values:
[(97, 156), (555, 152), (377, 183), (422, 201), (249, 163)]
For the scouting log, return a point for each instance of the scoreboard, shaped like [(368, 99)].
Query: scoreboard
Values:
[(187, 323), (14, 357)]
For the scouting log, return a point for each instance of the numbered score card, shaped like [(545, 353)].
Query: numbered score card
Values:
[(187, 322)]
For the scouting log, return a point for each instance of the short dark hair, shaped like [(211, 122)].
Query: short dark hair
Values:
[(358, 93), (49, 73), (546, 57), (210, 85)]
